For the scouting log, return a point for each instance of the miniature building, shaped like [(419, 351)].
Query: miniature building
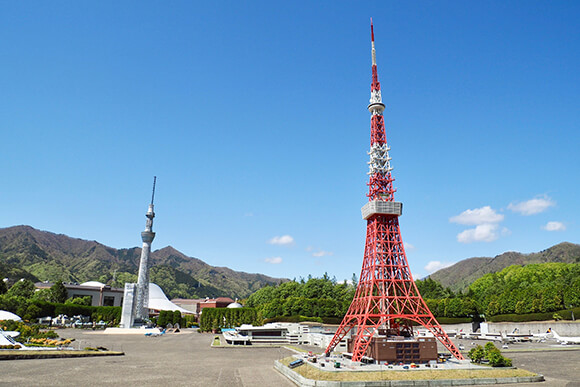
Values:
[(196, 305), (101, 294), (220, 302), (315, 334), (400, 349)]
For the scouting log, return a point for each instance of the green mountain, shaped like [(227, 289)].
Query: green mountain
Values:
[(460, 275), (26, 252)]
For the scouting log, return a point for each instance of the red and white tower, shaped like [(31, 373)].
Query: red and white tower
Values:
[(386, 295)]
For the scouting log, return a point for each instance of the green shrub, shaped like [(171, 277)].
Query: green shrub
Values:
[(189, 320), (108, 314), (495, 357), (476, 354)]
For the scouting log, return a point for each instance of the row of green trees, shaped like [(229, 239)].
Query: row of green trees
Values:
[(167, 317), (517, 290), (217, 318), (535, 288), (315, 297), (520, 290), (23, 300), (325, 298)]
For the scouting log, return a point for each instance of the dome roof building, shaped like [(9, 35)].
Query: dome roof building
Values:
[(6, 315), (235, 305)]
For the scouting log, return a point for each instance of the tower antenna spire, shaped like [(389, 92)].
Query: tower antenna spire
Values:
[(153, 194), (375, 85)]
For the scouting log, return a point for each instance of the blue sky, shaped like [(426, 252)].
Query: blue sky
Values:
[(253, 117)]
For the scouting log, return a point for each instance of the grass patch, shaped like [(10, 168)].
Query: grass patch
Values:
[(314, 373), (18, 354), (216, 341)]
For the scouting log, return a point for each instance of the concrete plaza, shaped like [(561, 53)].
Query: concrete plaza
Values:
[(182, 359), (186, 359)]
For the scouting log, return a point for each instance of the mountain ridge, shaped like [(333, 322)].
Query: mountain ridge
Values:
[(27, 252), (461, 274)]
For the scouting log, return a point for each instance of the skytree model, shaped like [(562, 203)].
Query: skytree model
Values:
[(147, 236), (136, 296)]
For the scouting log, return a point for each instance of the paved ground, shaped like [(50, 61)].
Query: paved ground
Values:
[(560, 368), (184, 359), (560, 365), (187, 359)]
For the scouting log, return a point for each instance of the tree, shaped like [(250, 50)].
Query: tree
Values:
[(58, 292), (22, 288), (177, 318), (162, 320), (86, 301), (43, 295), (3, 287), (430, 289)]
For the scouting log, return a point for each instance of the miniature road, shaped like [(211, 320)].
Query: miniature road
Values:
[(174, 359)]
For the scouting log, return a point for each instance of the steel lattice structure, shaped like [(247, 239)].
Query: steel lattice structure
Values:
[(386, 295)]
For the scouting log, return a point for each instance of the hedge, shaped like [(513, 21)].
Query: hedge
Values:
[(293, 319), (453, 320), (217, 318), (565, 314)]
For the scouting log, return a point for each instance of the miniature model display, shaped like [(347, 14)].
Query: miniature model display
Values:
[(386, 298)]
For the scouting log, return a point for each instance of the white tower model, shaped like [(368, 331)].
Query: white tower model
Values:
[(136, 296), (147, 236)]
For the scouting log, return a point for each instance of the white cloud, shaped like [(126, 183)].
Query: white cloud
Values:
[(281, 240), (477, 216), (482, 233), (249, 214), (532, 206), (322, 253), (554, 226), (506, 231), (274, 260), (433, 266), (408, 246)]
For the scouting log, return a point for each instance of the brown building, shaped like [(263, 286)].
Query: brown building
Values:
[(100, 294), (196, 305), (401, 349)]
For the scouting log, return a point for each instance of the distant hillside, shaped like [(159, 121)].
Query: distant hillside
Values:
[(26, 252), (459, 276)]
